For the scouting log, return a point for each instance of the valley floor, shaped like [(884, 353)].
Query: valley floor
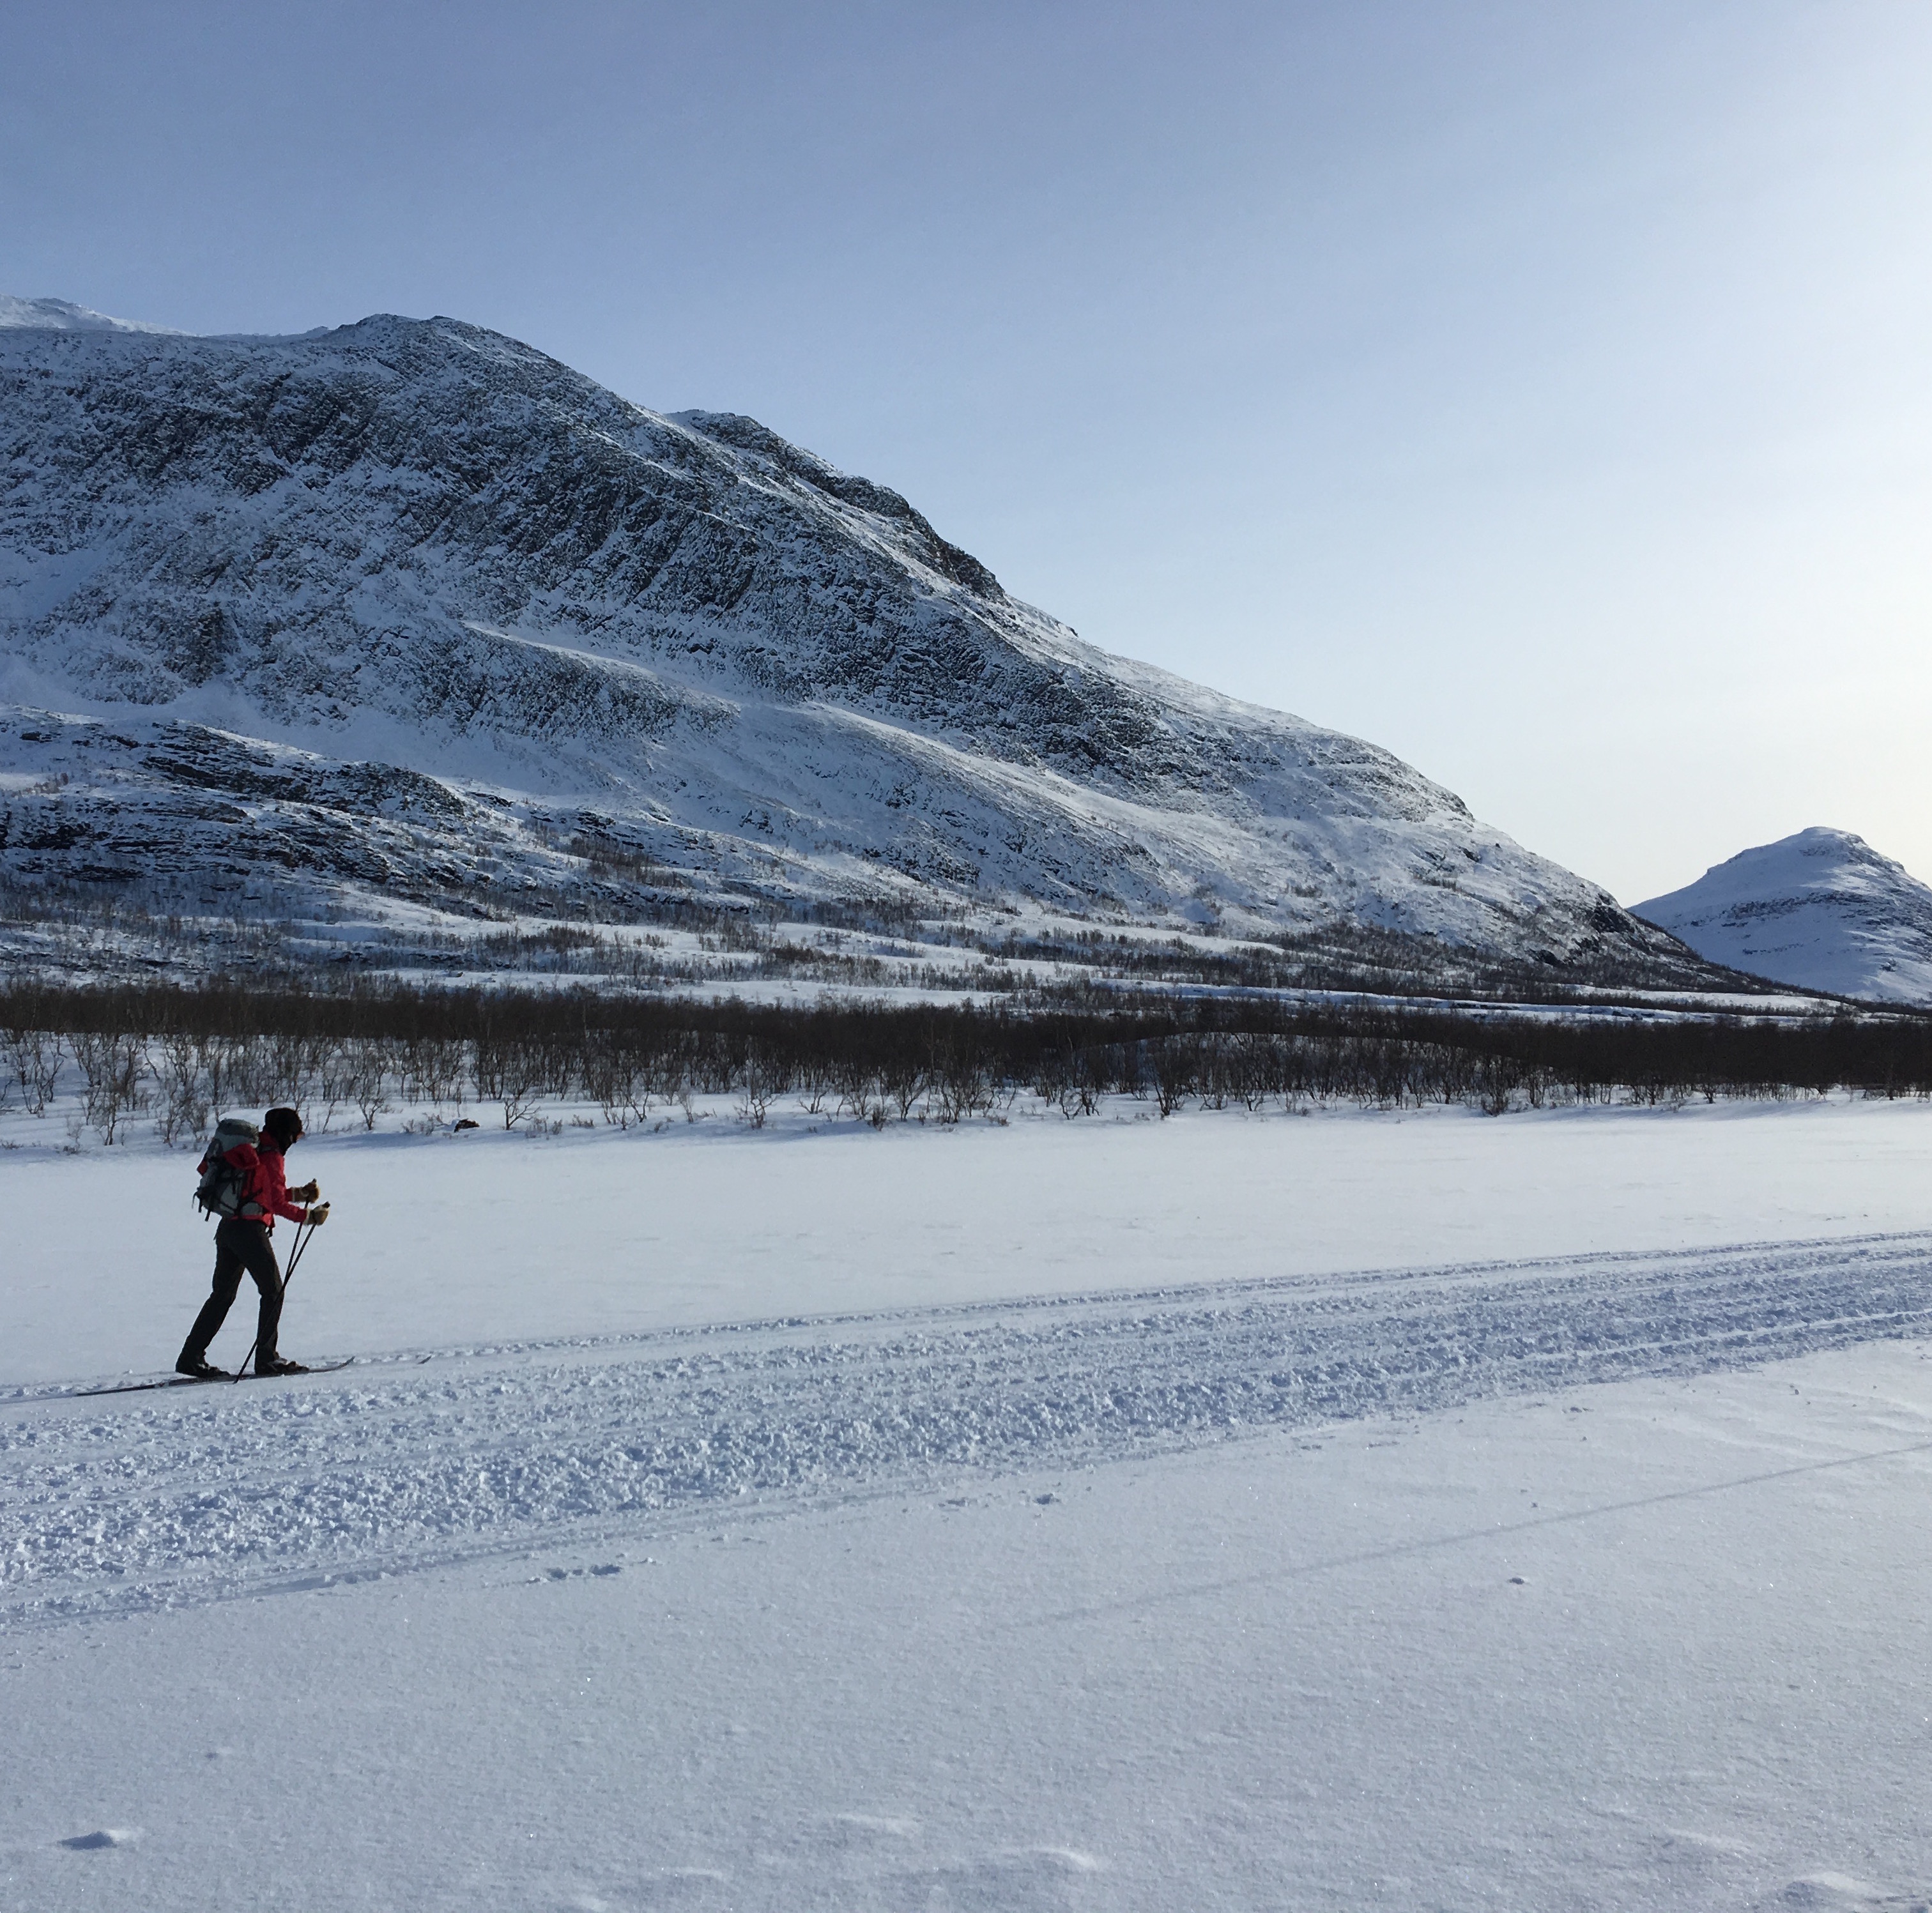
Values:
[(1292, 1512)]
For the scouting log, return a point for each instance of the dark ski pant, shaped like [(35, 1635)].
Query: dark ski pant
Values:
[(240, 1244)]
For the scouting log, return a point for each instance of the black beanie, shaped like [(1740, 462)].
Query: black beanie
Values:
[(284, 1125)]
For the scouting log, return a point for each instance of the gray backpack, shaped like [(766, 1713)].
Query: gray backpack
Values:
[(219, 1191)]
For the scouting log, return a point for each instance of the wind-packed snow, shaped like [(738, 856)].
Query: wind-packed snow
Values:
[(1821, 910), (1229, 1512), (417, 558)]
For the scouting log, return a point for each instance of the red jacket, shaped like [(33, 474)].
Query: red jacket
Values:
[(264, 1189)]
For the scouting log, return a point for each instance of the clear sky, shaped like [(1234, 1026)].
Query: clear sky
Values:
[(1540, 390)]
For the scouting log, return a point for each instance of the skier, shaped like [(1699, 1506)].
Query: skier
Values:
[(241, 1242)]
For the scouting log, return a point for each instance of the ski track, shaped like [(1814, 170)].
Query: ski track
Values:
[(204, 1494)]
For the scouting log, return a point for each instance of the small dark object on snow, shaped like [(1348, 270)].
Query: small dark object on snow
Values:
[(465, 1123)]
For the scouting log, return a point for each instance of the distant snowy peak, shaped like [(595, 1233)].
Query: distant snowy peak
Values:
[(59, 315), (1821, 910)]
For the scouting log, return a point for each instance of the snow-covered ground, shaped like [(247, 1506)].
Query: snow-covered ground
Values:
[(1322, 1512), (450, 1240)]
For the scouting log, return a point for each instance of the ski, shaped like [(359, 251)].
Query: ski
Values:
[(201, 1381)]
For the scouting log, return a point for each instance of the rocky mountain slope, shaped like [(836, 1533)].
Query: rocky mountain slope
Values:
[(408, 609), (1821, 910)]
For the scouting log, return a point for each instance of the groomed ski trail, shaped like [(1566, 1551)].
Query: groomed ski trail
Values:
[(162, 1500)]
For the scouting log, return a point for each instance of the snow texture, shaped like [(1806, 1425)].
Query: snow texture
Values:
[(413, 598), (434, 1237), (1821, 910), (147, 1501), (1582, 1578)]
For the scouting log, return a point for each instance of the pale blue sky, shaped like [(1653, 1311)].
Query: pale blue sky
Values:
[(1542, 392)]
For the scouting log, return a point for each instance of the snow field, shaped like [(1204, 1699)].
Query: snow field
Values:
[(1298, 1513), (454, 1241), (1652, 1644), (131, 1501)]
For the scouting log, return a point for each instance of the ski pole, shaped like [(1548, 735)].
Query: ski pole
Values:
[(301, 1242)]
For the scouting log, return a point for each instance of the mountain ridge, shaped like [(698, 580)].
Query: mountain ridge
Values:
[(422, 545)]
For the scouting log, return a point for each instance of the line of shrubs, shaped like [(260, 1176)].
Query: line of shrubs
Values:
[(186, 1055)]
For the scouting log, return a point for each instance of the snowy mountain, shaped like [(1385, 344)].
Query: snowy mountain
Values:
[(58, 316), (410, 608), (1821, 910)]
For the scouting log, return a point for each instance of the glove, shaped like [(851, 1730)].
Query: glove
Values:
[(318, 1215), (308, 1192)]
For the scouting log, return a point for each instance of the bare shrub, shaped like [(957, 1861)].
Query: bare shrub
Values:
[(336, 1065), (35, 1057), (185, 1103), (113, 1065), (962, 1078), (520, 1076), (1070, 1079), (902, 1080), (1497, 1079), (1174, 1069), (614, 1078), (816, 1081), (249, 1070), (432, 1069), (762, 1079), (1250, 1072), (368, 1078), (857, 1085)]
